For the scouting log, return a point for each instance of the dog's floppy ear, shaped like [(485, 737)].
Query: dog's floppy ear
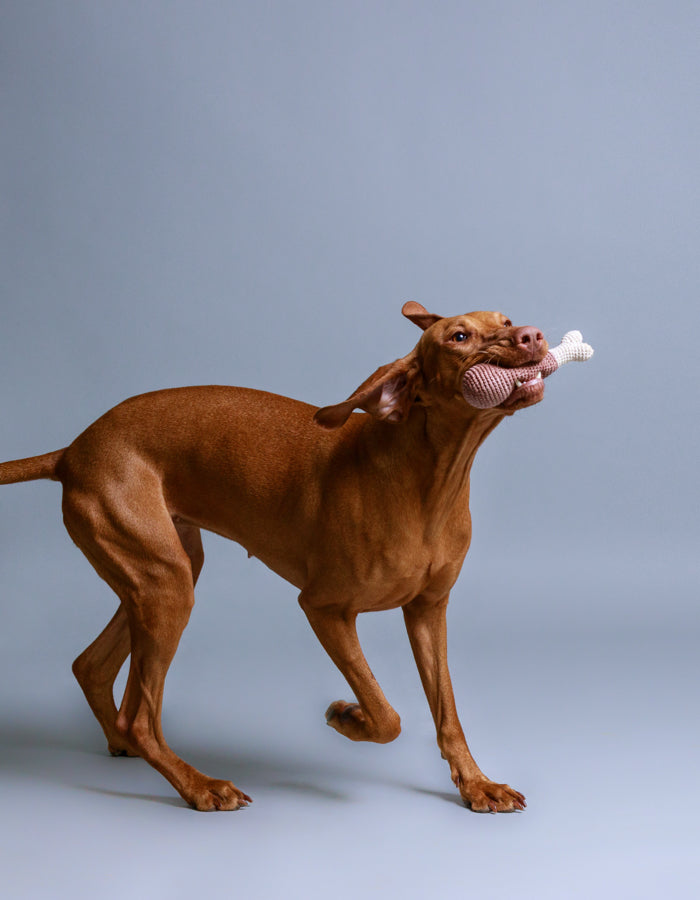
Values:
[(419, 315), (387, 395)]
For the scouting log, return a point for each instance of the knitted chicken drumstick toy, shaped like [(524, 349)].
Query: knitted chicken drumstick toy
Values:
[(487, 385)]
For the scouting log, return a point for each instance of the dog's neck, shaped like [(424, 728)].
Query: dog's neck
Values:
[(434, 451)]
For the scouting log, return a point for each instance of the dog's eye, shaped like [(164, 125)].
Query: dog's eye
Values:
[(461, 336), (507, 324)]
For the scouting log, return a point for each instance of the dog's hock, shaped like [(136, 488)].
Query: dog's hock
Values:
[(486, 385)]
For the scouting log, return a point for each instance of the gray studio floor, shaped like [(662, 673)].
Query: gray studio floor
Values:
[(597, 726)]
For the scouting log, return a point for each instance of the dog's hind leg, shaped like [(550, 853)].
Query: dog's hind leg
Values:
[(131, 540), (97, 667), (158, 612), (96, 670)]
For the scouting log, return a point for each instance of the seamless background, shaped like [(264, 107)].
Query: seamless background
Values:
[(246, 193)]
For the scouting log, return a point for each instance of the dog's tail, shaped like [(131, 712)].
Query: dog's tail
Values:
[(30, 469)]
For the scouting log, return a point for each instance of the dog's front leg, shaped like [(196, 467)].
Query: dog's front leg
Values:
[(371, 718), (427, 631)]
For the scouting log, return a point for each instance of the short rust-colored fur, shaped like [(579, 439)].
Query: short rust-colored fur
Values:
[(360, 512)]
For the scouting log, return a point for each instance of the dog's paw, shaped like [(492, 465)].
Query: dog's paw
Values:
[(214, 794), (349, 720), (482, 795)]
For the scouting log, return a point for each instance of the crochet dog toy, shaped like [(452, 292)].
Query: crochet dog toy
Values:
[(486, 385)]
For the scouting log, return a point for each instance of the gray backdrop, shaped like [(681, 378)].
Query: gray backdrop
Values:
[(246, 193)]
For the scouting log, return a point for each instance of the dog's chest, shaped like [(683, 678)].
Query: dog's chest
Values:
[(384, 570)]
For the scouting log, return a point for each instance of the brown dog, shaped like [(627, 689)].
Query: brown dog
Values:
[(366, 512)]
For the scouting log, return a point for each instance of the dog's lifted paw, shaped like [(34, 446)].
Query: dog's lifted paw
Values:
[(349, 720), (214, 794), (346, 718), (484, 796)]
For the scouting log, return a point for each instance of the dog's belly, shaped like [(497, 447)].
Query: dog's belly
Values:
[(276, 538)]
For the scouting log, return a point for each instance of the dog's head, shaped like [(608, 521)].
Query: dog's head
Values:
[(432, 374)]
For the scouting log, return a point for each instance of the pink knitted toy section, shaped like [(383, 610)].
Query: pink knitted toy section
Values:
[(486, 385)]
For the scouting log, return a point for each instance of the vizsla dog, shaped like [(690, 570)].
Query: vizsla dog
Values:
[(360, 512)]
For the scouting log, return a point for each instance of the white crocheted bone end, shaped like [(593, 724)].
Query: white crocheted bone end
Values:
[(572, 349)]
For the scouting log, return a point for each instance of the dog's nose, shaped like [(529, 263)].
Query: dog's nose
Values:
[(528, 339)]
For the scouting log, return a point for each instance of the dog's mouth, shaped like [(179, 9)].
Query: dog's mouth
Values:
[(508, 378), (524, 394), (489, 387), (511, 357)]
